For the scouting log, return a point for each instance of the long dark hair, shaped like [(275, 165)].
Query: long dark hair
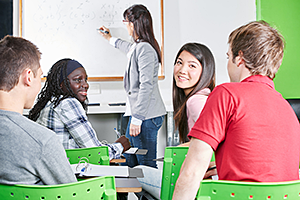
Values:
[(143, 28), (52, 90), (206, 80)]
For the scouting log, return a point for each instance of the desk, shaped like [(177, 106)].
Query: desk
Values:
[(124, 185), (104, 108), (116, 161)]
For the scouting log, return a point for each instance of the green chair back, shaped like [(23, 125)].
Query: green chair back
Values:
[(231, 190), (95, 155), (173, 159), (90, 189), (223, 190)]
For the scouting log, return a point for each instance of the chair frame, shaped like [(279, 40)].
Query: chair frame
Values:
[(215, 190), (93, 189), (95, 155), (223, 190)]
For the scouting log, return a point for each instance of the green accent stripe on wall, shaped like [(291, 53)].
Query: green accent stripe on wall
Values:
[(285, 16)]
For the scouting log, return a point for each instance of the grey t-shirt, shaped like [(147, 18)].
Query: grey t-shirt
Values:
[(30, 153)]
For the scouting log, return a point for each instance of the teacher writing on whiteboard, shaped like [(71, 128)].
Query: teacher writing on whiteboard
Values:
[(144, 103)]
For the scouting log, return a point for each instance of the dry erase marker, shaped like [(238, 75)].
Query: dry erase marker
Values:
[(211, 168), (103, 31), (117, 132)]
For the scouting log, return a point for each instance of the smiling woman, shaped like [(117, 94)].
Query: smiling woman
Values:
[(61, 106), (78, 84), (187, 71), (193, 80)]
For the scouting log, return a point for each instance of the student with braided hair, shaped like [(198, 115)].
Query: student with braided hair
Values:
[(61, 106)]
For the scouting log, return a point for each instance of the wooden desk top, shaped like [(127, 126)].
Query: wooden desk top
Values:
[(124, 184), (121, 160), (128, 185)]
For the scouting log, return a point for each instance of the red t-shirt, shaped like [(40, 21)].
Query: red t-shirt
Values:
[(253, 130)]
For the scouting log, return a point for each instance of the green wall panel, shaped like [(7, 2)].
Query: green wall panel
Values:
[(285, 16)]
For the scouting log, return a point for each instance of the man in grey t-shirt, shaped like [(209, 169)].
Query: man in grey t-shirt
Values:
[(29, 153)]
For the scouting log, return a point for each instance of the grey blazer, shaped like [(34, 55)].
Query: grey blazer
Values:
[(141, 81)]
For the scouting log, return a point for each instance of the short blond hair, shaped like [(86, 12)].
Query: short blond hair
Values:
[(261, 46)]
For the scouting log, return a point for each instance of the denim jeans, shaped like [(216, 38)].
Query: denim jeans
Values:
[(151, 182), (147, 139)]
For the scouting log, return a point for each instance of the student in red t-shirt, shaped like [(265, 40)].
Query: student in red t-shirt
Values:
[(254, 132)]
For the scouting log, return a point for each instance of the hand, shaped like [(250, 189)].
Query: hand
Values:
[(105, 35), (186, 144), (212, 172), (125, 142), (134, 130)]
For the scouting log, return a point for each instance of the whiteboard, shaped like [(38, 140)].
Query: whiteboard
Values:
[(67, 29)]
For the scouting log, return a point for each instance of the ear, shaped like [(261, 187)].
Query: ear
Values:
[(27, 76), (131, 25), (63, 87), (239, 60)]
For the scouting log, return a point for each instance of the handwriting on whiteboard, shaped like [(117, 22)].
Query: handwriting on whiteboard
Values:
[(58, 15)]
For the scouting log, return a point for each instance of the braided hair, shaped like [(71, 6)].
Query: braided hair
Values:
[(52, 90)]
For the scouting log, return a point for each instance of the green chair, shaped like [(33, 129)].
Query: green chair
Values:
[(90, 189), (223, 190), (173, 159), (235, 190), (95, 155)]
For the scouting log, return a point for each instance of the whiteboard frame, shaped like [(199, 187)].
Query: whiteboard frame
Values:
[(112, 78)]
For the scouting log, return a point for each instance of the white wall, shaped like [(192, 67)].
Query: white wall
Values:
[(205, 21)]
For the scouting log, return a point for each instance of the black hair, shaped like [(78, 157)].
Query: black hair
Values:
[(52, 90), (206, 80), (143, 28)]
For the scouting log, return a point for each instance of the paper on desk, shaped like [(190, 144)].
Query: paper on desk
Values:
[(100, 170), (132, 150)]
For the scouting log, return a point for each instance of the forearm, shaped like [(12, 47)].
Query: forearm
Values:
[(76, 123), (198, 158), (123, 45), (186, 144), (115, 150), (187, 186), (84, 135)]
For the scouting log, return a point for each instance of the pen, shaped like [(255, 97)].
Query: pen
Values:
[(94, 104), (117, 104), (118, 134), (211, 168), (103, 31)]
